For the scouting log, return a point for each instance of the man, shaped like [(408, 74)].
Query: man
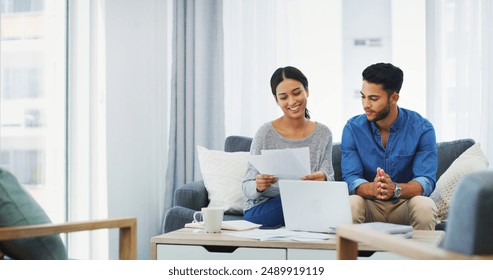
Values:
[(389, 155)]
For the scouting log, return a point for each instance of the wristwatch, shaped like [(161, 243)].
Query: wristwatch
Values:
[(397, 191)]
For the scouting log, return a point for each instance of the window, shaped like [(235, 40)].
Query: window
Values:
[(22, 6), (20, 83), (33, 99)]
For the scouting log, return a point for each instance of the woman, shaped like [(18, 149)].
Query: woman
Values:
[(293, 129)]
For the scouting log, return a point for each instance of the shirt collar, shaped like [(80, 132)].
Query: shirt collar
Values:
[(395, 126)]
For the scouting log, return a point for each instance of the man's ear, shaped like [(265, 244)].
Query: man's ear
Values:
[(395, 97)]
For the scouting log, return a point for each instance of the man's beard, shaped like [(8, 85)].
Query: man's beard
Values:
[(383, 114)]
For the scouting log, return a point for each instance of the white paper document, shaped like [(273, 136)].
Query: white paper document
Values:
[(228, 225), (395, 229), (282, 234), (288, 164)]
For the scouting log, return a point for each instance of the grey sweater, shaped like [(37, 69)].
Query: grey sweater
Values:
[(267, 138)]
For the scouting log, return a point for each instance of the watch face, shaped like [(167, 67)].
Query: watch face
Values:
[(397, 191)]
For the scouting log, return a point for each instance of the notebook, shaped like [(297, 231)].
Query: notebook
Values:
[(315, 206)]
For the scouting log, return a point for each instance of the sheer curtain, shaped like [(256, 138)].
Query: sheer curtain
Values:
[(459, 70), (259, 37), (250, 55), (87, 165)]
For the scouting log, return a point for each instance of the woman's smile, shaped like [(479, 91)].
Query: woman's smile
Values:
[(294, 108)]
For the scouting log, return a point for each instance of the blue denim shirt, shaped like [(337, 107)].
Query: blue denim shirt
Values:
[(411, 152)]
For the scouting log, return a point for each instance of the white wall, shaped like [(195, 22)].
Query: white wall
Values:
[(366, 40), (136, 115), (409, 51), (400, 27)]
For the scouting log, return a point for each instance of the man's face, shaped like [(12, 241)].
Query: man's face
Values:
[(375, 101)]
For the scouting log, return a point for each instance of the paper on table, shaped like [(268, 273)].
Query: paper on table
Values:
[(282, 234), (239, 225), (395, 229), (228, 225), (289, 164)]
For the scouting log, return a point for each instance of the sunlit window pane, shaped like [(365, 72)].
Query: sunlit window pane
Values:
[(33, 110)]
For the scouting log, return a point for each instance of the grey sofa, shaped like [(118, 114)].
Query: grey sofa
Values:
[(193, 196)]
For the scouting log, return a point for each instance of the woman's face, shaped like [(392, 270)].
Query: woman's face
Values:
[(291, 96)]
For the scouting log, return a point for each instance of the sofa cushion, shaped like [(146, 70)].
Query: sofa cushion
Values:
[(336, 161), (448, 151), (237, 143), (223, 174), (473, 159), (18, 208)]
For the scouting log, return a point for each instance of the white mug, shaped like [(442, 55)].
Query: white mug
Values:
[(212, 217)]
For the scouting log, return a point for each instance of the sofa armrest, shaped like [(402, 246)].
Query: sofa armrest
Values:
[(192, 195), (176, 218)]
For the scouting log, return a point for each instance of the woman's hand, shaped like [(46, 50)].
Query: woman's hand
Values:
[(315, 176), (264, 181)]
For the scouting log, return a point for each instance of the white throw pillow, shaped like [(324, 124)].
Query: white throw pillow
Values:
[(223, 174), (471, 160)]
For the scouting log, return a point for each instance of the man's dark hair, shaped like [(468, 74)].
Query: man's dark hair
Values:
[(385, 74)]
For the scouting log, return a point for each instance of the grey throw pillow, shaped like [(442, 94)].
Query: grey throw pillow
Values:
[(18, 208)]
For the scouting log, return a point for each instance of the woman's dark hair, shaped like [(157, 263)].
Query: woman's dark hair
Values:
[(385, 74), (288, 72)]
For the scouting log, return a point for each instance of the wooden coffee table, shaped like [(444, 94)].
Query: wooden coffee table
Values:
[(195, 244)]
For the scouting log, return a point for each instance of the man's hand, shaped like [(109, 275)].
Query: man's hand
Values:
[(384, 186)]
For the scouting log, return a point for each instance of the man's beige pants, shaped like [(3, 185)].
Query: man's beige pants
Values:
[(419, 211)]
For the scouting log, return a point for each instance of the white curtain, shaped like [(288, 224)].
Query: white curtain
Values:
[(87, 163), (261, 36), (250, 57), (459, 70)]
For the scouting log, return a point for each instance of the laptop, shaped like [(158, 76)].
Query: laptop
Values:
[(315, 206)]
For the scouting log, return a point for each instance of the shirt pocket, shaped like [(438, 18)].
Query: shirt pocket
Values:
[(402, 165)]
